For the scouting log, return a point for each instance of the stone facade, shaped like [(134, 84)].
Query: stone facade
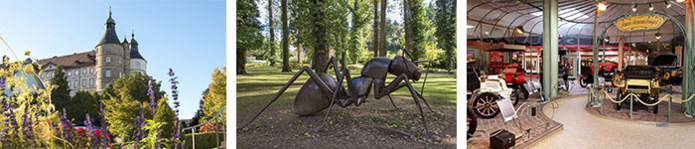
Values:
[(95, 70)]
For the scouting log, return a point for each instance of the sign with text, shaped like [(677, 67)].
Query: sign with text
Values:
[(640, 23)]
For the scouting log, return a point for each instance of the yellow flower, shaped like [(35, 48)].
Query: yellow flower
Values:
[(29, 69), (27, 52)]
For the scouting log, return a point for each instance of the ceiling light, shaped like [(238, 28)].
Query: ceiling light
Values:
[(680, 1), (469, 26), (607, 39), (651, 8), (668, 5), (602, 6), (519, 30), (657, 36), (634, 8)]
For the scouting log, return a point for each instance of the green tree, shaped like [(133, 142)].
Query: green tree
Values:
[(60, 95), (415, 28), (124, 99), (165, 114), (319, 25), (445, 21), (81, 104), (216, 96), (272, 33), (247, 32), (285, 39)]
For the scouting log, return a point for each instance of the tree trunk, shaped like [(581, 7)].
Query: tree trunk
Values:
[(375, 27), (285, 39), (299, 54), (382, 40), (240, 62), (321, 51), (272, 33), (405, 25)]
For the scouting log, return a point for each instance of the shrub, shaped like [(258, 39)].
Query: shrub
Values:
[(205, 140)]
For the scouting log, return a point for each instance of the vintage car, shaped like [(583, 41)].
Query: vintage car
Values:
[(670, 73), (643, 81), (606, 70), (512, 73), (484, 92)]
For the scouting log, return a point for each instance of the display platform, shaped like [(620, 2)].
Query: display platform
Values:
[(481, 138)]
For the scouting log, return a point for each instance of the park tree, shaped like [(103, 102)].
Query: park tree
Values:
[(319, 25), (216, 96), (375, 27), (445, 21), (125, 98), (415, 28), (60, 95), (165, 114), (382, 34), (285, 39), (81, 104), (271, 37), (360, 17), (248, 32)]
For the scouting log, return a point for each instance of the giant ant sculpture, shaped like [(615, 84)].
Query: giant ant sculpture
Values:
[(321, 91)]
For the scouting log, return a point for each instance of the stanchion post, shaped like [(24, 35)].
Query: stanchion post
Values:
[(601, 102), (632, 100)]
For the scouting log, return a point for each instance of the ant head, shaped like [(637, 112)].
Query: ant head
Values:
[(402, 65)]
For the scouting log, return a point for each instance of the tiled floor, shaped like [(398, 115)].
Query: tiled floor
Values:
[(584, 130)]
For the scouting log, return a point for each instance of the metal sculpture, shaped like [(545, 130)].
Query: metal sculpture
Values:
[(321, 91)]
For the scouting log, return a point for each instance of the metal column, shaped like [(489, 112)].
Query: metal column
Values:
[(594, 100), (689, 56), (550, 48)]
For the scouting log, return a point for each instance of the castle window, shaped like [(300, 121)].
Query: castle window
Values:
[(108, 59), (120, 61), (84, 82), (108, 48), (77, 83), (91, 70), (107, 84), (137, 64), (69, 73), (120, 74), (108, 73), (91, 82), (120, 50), (77, 72), (84, 70)]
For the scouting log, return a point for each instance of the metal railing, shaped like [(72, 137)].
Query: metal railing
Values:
[(634, 97), (217, 135)]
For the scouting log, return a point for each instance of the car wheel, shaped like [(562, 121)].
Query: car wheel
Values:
[(582, 81), (485, 105), (515, 96)]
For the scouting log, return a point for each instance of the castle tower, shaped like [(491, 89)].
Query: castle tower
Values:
[(110, 56), (137, 62)]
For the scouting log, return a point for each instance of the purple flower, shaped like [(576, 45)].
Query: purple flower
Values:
[(175, 95), (104, 127)]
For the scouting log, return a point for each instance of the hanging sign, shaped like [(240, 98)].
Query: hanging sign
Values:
[(640, 23)]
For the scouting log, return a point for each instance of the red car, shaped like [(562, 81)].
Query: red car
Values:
[(606, 70)]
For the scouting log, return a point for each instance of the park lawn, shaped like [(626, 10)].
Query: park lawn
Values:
[(255, 89)]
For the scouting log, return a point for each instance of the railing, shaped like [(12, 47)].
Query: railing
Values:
[(193, 128), (633, 97)]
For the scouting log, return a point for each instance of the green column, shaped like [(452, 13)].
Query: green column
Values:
[(550, 47), (688, 60), (594, 101)]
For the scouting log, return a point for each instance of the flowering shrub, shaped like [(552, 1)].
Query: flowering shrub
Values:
[(29, 120)]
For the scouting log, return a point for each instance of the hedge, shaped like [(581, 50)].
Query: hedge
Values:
[(205, 140)]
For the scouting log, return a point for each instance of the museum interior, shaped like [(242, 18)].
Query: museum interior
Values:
[(580, 73)]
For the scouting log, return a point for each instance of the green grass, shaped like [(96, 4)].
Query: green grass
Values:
[(262, 83)]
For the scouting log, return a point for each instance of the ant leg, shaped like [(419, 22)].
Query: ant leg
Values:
[(423, 99), (335, 97), (312, 75), (414, 93), (394, 105)]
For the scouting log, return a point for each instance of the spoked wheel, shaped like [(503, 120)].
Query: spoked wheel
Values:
[(485, 105), (523, 92), (582, 81), (515, 97), (472, 123)]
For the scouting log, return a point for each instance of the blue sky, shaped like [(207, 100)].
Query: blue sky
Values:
[(186, 35)]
